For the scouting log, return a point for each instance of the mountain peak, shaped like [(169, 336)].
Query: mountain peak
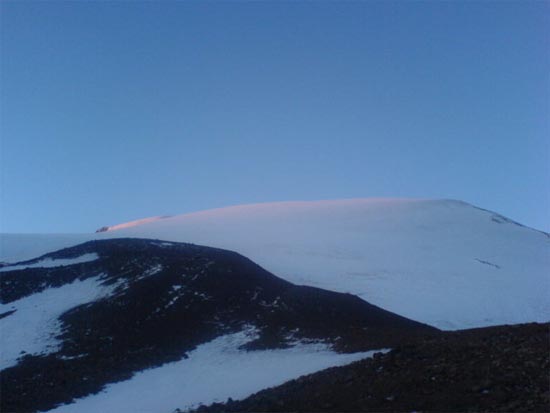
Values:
[(404, 255), (130, 224)]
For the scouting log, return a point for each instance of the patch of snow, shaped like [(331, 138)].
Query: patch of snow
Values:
[(155, 269), (202, 295), (34, 325), (78, 356), (213, 372), (171, 302), (53, 262), (165, 244)]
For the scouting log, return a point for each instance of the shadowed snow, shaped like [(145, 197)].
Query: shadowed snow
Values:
[(213, 372), (34, 325), (50, 262)]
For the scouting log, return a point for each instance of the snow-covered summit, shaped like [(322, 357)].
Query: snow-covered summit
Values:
[(130, 224), (442, 262)]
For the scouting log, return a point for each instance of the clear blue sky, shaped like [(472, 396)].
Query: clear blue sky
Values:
[(113, 111)]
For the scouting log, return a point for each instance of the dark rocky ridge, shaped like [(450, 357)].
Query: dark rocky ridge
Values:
[(146, 322), (495, 369)]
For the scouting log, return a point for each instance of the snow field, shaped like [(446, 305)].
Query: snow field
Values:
[(34, 325), (51, 263), (213, 372)]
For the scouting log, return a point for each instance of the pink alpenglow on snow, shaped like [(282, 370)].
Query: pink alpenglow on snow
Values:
[(442, 262), (130, 224)]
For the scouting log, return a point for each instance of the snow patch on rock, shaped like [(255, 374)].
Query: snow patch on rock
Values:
[(213, 372), (33, 326), (52, 262)]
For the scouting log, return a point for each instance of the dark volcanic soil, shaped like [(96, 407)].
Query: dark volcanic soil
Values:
[(169, 298), (496, 369)]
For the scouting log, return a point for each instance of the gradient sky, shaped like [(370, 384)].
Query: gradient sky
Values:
[(113, 111)]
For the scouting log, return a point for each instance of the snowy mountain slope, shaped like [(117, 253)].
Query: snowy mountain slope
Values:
[(490, 369), (213, 372), (442, 262), (113, 308), (30, 324)]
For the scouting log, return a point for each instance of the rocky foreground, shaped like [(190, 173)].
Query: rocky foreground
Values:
[(495, 369)]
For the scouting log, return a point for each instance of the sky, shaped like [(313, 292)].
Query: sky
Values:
[(114, 111)]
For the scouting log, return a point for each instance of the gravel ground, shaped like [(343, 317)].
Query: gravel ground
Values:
[(495, 369)]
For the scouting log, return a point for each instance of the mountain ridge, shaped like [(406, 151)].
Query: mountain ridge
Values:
[(275, 204), (403, 255), (70, 330)]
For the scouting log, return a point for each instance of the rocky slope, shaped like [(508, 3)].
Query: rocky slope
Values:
[(497, 369), (75, 320)]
